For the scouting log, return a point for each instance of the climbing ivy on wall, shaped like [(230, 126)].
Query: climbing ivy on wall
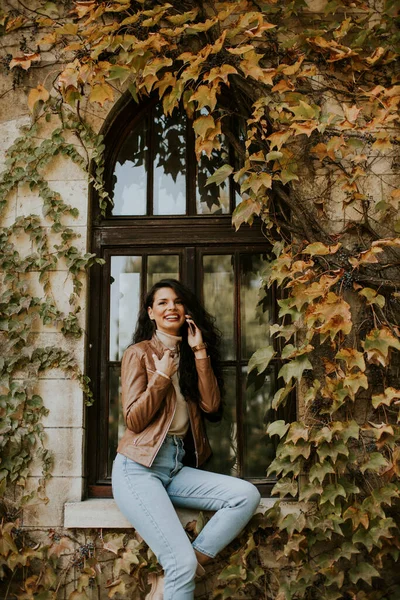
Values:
[(318, 86)]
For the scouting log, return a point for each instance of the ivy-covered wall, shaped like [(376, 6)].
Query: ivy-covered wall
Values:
[(318, 85)]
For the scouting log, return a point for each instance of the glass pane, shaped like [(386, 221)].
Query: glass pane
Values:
[(218, 294), (223, 435), (124, 302), (259, 449), (130, 174), (169, 163), (213, 198), (162, 266), (254, 318), (116, 425)]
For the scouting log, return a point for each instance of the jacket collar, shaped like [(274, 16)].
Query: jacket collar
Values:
[(157, 346)]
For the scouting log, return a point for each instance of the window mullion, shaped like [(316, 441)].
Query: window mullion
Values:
[(191, 166), (239, 374), (150, 162)]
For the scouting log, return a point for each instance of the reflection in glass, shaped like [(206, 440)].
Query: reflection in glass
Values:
[(223, 435), (213, 198), (162, 266), (169, 163), (124, 302), (116, 425), (254, 318), (218, 290), (259, 448), (130, 177)]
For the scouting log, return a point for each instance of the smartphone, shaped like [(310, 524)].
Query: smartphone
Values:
[(191, 327)]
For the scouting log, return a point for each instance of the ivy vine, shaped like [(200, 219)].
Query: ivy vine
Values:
[(318, 88)]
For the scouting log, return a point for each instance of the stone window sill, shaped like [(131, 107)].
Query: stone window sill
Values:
[(103, 513)]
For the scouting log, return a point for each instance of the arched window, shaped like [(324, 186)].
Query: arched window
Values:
[(166, 222)]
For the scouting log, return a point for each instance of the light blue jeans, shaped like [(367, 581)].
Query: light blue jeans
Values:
[(147, 496)]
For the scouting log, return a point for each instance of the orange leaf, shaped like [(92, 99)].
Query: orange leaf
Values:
[(283, 86), (291, 69), (25, 61), (304, 128), (279, 138), (38, 94)]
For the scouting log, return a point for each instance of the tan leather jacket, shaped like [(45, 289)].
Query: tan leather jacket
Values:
[(149, 402)]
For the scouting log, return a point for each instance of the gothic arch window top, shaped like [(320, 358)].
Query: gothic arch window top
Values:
[(154, 171)]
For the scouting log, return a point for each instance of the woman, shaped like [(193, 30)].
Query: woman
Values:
[(170, 378)]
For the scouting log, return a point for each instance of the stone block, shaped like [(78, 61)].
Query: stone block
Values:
[(61, 287), (59, 491), (381, 165), (8, 216), (75, 346), (66, 444), (74, 193), (9, 131), (64, 399), (103, 512), (62, 168)]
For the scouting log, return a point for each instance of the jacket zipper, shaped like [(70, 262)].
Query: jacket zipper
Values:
[(164, 436), (194, 437)]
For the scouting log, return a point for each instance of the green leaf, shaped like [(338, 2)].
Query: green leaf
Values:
[(261, 359), (375, 463), (281, 395), (364, 571), (320, 470), (331, 492), (220, 175), (295, 368), (278, 428), (285, 487)]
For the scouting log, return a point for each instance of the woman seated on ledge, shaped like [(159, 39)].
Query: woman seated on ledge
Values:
[(171, 377)]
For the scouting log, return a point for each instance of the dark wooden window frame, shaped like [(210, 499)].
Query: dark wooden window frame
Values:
[(113, 235)]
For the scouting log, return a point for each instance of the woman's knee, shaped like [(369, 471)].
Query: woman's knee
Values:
[(184, 563), (251, 494)]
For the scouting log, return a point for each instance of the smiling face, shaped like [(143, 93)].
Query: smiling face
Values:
[(167, 311)]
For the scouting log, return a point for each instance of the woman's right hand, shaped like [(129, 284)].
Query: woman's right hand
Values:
[(166, 363)]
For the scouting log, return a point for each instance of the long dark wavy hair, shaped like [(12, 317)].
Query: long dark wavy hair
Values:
[(145, 329)]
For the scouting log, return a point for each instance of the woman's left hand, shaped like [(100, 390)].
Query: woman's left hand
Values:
[(195, 336)]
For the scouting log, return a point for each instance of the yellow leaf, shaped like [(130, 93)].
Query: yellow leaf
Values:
[(291, 69), (320, 249), (203, 124), (386, 398), (101, 93), (38, 94), (306, 128), (241, 49), (366, 257), (382, 142), (351, 113), (352, 357), (220, 74), (205, 96), (283, 86), (372, 297), (334, 315), (279, 138), (218, 44), (180, 19), (83, 8), (245, 212)]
